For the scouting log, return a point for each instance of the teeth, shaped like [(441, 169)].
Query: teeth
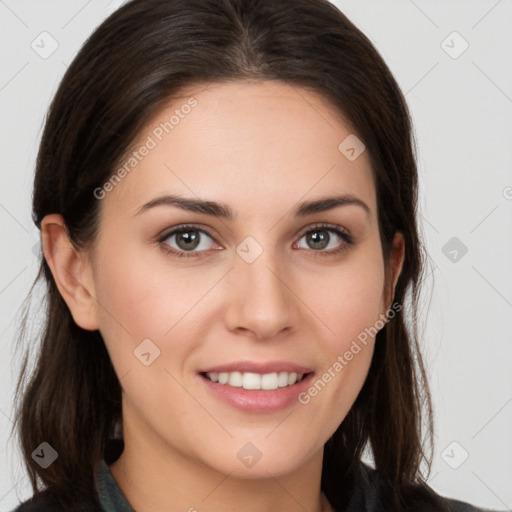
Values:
[(235, 379), (282, 379), (248, 380), (269, 381)]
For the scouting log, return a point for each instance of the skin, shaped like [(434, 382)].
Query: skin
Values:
[(260, 148)]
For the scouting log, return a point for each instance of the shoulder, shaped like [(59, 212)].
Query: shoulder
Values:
[(373, 494), (38, 503), (46, 500), (461, 506), (42, 503)]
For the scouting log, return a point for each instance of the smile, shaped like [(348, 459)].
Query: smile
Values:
[(251, 392), (249, 380)]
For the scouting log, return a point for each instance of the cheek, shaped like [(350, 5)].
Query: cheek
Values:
[(141, 299), (136, 294), (351, 312), (348, 301), (143, 321)]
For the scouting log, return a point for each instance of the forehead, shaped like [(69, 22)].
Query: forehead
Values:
[(247, 144)]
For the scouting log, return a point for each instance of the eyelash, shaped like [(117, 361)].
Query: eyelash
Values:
[(348, 240)]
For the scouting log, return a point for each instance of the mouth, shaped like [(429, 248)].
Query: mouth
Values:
[(256, 381), (252, 392)]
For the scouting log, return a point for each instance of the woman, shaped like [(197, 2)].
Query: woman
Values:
[(226, 193)]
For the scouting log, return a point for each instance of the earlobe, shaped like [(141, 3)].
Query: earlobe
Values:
[(71, 271)]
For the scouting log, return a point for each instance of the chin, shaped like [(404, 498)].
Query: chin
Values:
[(259, 459)]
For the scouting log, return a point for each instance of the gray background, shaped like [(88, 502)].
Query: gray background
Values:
[(461, 103)]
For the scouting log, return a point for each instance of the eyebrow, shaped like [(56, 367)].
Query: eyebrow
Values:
[(223, 211)]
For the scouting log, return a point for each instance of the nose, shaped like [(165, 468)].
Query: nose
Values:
[(262, 303)]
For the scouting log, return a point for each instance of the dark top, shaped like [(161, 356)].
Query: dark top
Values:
[(366, 498)]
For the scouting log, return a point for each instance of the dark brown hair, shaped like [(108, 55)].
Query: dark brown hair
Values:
[(133, 64)]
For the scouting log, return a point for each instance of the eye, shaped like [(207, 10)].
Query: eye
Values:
[(187, 239), (318, 238)]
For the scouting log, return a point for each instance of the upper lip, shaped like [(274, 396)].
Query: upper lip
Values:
[(258, 367)]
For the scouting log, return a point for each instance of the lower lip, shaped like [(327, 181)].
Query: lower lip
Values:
[(258, 400)]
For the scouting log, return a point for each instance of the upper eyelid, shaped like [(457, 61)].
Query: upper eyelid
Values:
[(183, 227)]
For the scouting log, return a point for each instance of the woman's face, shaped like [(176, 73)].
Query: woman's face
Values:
[(259, 292)]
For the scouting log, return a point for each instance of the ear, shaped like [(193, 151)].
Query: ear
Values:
[(71, 271), (395, 266)]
